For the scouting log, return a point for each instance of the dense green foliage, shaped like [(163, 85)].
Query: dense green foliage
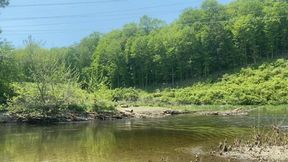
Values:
[(40, 82), (202, 41), (30, 100), (98, 71), (266, 84), (7, 70), (6, 64)]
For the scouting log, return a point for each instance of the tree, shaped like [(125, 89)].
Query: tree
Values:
[(106, 59), (8, 71), (248, 31), (275, 23), (148, 24), (53, 89), (79, 57), (6, 64)]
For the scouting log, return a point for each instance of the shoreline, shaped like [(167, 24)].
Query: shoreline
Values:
[(271, 145), (122, 112)]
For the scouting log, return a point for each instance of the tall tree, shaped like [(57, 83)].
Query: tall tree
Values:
[(8, 70), (148, 24)]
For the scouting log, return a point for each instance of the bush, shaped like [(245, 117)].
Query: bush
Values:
[(103, 93), (125, 94), (5, 92), (57, 99), (103, 105), (2, 108)]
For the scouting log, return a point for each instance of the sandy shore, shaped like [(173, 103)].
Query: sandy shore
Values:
[(122, 112), (156, 112)]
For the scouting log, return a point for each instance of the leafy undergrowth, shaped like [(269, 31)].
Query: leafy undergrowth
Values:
[(31, 101), (266, 84)]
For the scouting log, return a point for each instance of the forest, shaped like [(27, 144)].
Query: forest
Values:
[(190, 61)]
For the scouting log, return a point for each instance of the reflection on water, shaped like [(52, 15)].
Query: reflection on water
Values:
[(168, 139), (55, 143)]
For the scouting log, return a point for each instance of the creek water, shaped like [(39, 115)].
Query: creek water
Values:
[(175, 139)]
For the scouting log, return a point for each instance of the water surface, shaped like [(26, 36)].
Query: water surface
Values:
[(136, 140)]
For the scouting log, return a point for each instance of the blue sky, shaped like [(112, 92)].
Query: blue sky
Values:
[(65, 22)]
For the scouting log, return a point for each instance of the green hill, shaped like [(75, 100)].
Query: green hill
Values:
[(265, 84)]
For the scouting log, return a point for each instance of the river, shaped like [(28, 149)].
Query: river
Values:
[(175, 138)]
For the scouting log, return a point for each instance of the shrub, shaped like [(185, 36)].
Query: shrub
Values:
[(57, 99), (267, 84), (2, 108), (125, 94), (103, 105)]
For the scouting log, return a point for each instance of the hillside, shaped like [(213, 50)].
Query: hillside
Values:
[(265, 84)]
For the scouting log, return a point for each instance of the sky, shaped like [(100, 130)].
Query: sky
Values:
[(59, 23)]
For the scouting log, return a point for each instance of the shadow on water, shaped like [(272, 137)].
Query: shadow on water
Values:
[(168, 139)]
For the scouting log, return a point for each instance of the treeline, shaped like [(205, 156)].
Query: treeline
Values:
[(202, 41)]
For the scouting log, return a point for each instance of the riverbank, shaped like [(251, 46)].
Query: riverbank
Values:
[(264, 145), (156, 112), (268, 153), (123, 112), (64, 117)]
